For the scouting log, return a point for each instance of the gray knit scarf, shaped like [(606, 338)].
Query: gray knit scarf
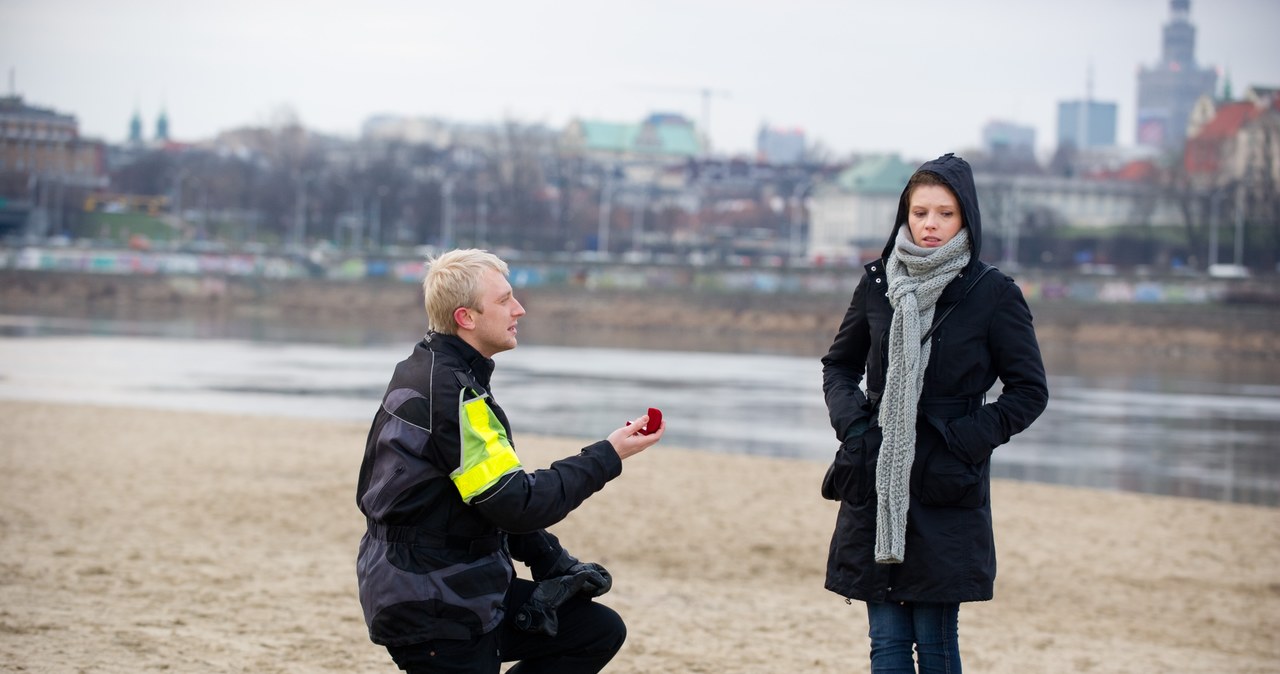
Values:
[(916, 277)]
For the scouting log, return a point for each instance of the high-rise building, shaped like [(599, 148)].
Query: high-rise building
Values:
[(1009, 140), (1086, 124), (775, 145), (1168, 91)]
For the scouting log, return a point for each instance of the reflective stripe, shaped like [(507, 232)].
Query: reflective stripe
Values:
[(478, 419), (482, 476), (486, 453)]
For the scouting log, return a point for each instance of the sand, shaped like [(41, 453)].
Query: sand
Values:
[(135, 540)]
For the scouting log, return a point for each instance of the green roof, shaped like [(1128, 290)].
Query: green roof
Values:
[(647, 138), (607, 135), (681, 140), (876, 175)]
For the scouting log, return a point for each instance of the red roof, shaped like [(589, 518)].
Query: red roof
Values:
[(1228, 119), (1136, 171), (1204, 150)]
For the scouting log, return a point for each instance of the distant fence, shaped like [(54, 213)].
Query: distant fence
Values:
[(1038, 286), (150, 262)]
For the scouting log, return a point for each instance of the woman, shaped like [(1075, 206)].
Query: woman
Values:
[(931, 330)]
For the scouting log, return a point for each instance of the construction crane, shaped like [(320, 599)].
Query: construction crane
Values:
[(707, 93)]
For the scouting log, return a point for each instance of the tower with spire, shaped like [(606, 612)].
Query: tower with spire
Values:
[(1167, 92), (162, 127), (135, 128)]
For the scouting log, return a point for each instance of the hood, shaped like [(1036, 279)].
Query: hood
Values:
[(955, 172)]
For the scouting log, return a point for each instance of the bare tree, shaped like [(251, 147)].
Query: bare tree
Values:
[(1262, 188), (150, 173), (1195, 197)]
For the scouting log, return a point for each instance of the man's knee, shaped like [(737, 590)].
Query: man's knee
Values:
[(608, 627)]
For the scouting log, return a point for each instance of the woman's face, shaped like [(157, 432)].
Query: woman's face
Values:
[(933, 214)]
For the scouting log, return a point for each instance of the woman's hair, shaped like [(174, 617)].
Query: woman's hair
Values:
[(926, 178), (452, 281)]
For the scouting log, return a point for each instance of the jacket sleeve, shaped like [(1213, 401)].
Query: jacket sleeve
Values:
[(523, 502), (541, 552), (1015, 357), (843, 368)]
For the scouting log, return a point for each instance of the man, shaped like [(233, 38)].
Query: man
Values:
[(449, 505)]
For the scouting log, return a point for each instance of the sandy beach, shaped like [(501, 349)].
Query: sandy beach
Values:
[(137, 540)]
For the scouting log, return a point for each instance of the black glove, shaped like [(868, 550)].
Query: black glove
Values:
[(538, 614), (857, 428), (597, 580)]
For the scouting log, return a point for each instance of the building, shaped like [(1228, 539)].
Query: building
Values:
[(636, 154), (659, 138), (776, 145), (1124, 197), (162, 128), (1005, 140), (1209, 153), (1167, 91), (1086, 124), (44, 166), (413, 130), (135, 129), (1232, 162), (40, 140), (851, 216)]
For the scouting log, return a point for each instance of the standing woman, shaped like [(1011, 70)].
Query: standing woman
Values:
[(931, 330)]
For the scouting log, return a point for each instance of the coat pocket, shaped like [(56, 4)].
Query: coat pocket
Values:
[(852, 473), (947, 477)]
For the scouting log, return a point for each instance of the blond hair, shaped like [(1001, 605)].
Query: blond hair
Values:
[(453, 280)]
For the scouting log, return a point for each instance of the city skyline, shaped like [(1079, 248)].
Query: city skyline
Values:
[(845, 73)]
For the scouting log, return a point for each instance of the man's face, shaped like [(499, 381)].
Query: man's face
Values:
[(491, 326)]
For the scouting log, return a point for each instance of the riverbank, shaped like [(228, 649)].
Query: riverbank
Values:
[(1199, 337), (135, 540)]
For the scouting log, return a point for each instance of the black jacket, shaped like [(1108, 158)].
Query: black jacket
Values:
[(432, 566), (950, 552)]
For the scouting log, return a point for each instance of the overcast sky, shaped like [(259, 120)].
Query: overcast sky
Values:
[(919, 77)]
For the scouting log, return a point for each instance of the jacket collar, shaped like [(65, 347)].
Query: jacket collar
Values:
[(953, 292), (454, 345), (876, 275)]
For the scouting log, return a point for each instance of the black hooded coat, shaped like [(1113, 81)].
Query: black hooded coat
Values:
[(950, 551)]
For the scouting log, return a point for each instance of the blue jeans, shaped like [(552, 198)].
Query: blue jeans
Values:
[(931, 628)]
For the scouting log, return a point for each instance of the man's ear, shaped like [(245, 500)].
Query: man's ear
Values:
[(462, 317)]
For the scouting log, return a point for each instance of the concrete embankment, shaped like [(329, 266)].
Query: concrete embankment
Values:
[(1244, 335)]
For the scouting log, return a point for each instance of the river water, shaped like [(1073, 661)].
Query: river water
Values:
[(1159, 433)]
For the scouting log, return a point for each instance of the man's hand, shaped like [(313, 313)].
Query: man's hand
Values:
[(595, 579), (538, 614), (628, 440)]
